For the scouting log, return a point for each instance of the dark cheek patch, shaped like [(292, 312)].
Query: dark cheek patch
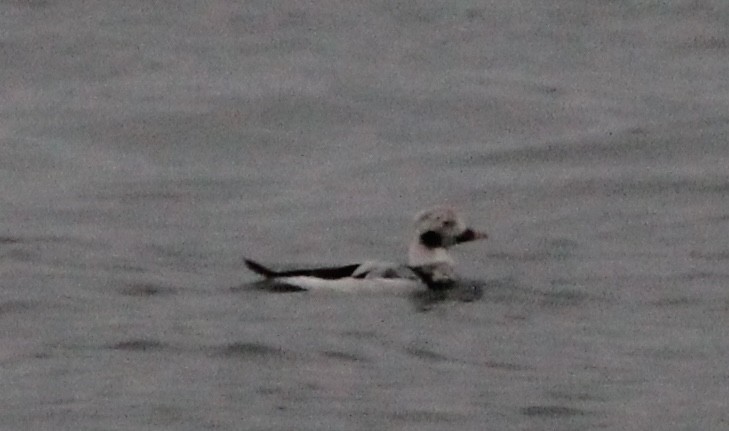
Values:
[(431, 239)]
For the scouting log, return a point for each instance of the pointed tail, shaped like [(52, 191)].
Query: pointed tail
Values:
[(260, 269)]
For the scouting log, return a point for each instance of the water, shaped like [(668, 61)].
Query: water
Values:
[(146, 148)]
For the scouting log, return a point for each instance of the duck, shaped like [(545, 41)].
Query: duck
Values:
[(429, 266)]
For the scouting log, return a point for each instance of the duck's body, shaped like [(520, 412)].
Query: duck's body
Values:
[(368, 276), (429, 263)]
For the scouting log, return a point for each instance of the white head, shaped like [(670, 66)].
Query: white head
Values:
[(436, 230)]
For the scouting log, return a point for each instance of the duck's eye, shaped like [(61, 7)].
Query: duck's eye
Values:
[(449, 223)]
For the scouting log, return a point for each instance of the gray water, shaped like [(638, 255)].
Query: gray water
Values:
[(147, 147)]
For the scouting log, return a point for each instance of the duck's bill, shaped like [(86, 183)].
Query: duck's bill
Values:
[(470, 235)]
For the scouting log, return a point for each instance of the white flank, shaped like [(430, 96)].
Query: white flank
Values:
[(354, 285)]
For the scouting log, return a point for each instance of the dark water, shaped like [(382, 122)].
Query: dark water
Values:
[(146, 147)]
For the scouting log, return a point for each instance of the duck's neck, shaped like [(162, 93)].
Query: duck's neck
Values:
[(419, 255)]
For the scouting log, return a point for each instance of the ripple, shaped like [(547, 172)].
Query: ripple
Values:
[(425, 416), (16, 306), (246, 350), (564, 297), (343, 356), (144, 289), (506, 290), (426, 354), (361, 335), (139, 345), (677, 301), (718, 256), (466, 291), (551, 411)]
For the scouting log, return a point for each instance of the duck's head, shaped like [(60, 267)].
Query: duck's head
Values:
[(436, 230)]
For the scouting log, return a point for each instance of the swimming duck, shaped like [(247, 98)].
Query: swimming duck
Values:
[(436, 230)]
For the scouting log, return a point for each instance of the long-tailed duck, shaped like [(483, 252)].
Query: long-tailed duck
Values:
[(436, 230)]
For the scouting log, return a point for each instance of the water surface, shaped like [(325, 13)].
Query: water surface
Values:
[(147, 148)]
